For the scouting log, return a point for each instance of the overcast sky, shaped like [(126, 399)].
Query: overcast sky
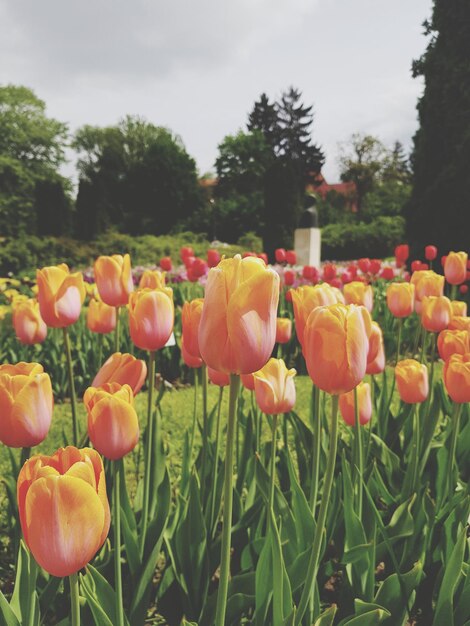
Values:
[(197, 66)]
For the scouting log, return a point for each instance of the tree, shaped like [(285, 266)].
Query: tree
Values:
[(438, 211), (265, 118)]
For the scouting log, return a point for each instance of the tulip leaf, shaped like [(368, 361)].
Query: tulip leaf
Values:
[(240, 599), (282, 594), (371, 618), (391, 594), (303, 519), (24, 603), (7, 614), (452, 573), (99, 589), (327, 617), (462, 610)]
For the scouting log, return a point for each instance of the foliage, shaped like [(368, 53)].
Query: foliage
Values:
[(439, 206)]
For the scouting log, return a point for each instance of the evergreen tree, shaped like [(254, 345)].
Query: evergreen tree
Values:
[(439, 210), (265, 118)]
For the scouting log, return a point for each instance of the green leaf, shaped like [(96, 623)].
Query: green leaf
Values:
[(371, 618), (327, 617), (444, 613), (7, 614), (24, 601), (282, 594), (390, 594)]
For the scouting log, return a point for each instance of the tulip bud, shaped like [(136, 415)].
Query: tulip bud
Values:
[(430, 253), (289, 278), (347, 405), (329, 271), (60, 295), (29, 326), (457, 377), (291, 257), (310, 273), (218, 378), (436, 313), (283, 330), (101, 318), (185, 252), (402, 252), (451, 342), (274, 387), (364, 265), (213, 258), (359, 293), (280, 255), (387, 273), (190, 320), (152, 279), (412, 381), (113, 277), (166, 264), (455, 268), (376, 354), (124, 369), (400, 299)]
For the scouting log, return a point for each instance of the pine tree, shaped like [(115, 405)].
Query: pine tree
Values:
[(264, 117)]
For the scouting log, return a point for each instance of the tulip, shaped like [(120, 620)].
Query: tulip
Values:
[(29, 326), (402, 252), (124, 369), (248, 381), (218, 378), (463, 289), (436, 313), (306, 299), (329, 271), (191, 318), (459, 322), (400, 299), (60, 295), (412, 381), (375, 265), (151, 317), (166, 264), (289, 278), (198, 268), (352, 269), (364, 265), (427, 283), (336, 344), (430, 252), (459, 308), (376, 354), (185, 252), (280, 255), (451, 342), (152, 279), (113, 426), (310, 273), (247, 254), (457, 377), (443, 261), (189, 360), (357, 292), (283, 330), (455, 268), (347, 405), (26, 404), (263, 256), (346, 278), (101, 318), (113, 276), (63, 508), (213, 258), (291, 257), (237, 330), (274, 387)]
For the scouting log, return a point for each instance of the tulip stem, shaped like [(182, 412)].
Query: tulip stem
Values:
[(117, 329), (316, 448), (414, 460), (25, 454), (216, 462), (204, 425), (358, 455), (100, 350), (453, 447), (148, 451), (320, 529), (193, 432), (228, 502), (273, 465), (74, 599), (117, 543), (400, 327), (73, 397)]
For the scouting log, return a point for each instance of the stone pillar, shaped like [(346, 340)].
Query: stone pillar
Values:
[(307, 245)]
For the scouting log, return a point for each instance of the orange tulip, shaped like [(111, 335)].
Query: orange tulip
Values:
[(459, 322), (274, 387), (457, 377), (427, 283), (401, 299), (151, 317), (412, 381), (124, 369), (63, 507), (248, 381), (451, 342), (29, 326), (336, 344), (347, 405), (357, 292), (113, 277), (190, 320), (218, 378), (238, 323), (283, 329), (436, 313), (60, 295), (152, 279), (189, 359), (113, 426), (376, 354), (101, 318), (455, 267), (459, 308), (306, 299), (26, 404)]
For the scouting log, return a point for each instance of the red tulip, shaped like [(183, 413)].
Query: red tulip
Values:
[(247, 254), (263, 256), (291, 257), (289, 278), (185, 252), (402, 252), (443, 260), (165, 264), (311, 273), (364, 265), (430, 252), (280, 255), (329, 271), (463, 289), (375, 266), (213, 257), (387, 273), (198, 267)]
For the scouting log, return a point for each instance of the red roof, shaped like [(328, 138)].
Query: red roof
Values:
[(322, 188)]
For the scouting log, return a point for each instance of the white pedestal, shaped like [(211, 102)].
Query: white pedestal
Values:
[(307, 245)]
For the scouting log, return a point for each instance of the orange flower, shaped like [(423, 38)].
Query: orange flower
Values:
[(306, 299), (336, 344), (152, 279), (218, 378), (101, 318), (436, 313), (357, 292), (457, 377), (29, 326), (60, 294), (113, 277), (412, 381), (459, 322), (451, 342), (238, 323), (401, 299), (347, 405), (63, 507), (26, 404), (274, 387), (283, 329), (376, 354), (248, 381), (124, 369), (427, 283), (113, 426), (151, 317), (189, 359), (455, 267), (459, 308), (190, 320)]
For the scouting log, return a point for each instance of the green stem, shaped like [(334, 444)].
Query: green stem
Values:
[(423, 348), (25, 454), (100, 350), (117, 329), (316, 428), (257, 420), (414, 451), (400, 327), (193, 431), (453, 447), (216, 461), (117, 543), (74, 599), (320, 529), (430, 421), (359, 457), (204, 426), (73, 396), (273, 464), (369, 428), (228, 502), (148, 451)]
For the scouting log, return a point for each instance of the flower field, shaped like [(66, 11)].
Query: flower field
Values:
[(225, 442)]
